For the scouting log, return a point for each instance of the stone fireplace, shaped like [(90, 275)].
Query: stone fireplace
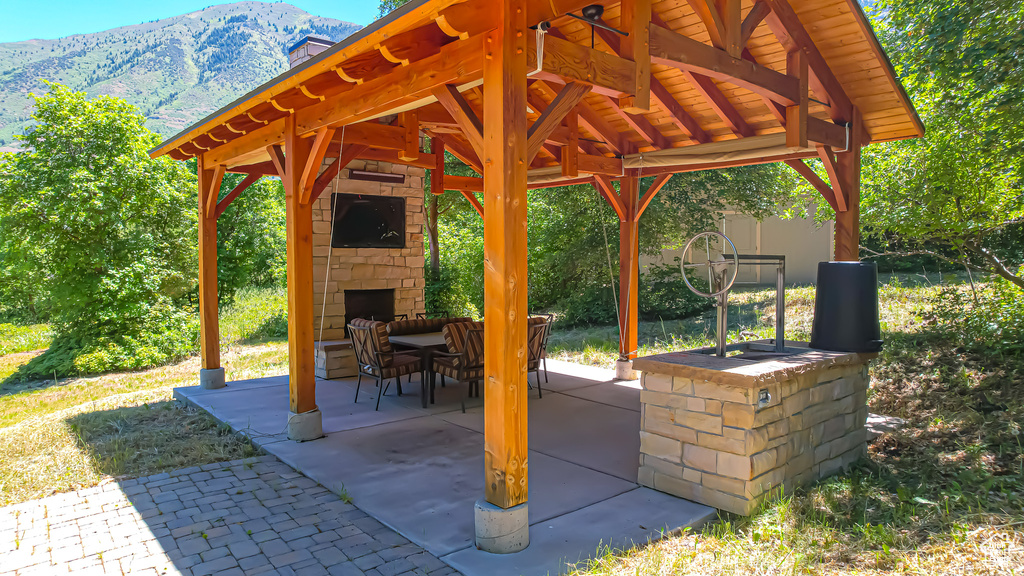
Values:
[(364, 282)]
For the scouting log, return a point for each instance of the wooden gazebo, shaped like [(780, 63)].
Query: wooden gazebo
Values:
[(541, 93)]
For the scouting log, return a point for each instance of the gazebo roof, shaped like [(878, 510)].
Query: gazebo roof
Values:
[(710, 82)]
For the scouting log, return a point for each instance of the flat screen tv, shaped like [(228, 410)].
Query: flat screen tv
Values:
[(364, 221)]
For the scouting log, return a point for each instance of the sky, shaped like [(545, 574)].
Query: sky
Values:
[(28, 19)]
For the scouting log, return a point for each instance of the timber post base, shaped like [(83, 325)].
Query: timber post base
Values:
[(501, 530), (305, 426), (211, 378), (624, 370)]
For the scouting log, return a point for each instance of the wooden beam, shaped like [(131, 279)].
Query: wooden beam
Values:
[(276, 153), (788, 29), (214, 190), (299, 265), (347, 155), (813, 179), (464, 116), (413, 45), (311, 169), (645, 201), (834, 176), (604, 187), (680, 117), (672, 49), (629, 267), (411, 126), (796, 116), (847, 224), (506, 440), (473, 201), (566, 61), (437, 172), (570, 155), (757, 14), (566, 100), (767, 159), (732, 22), (209, 328), (712, 19), (462, 151), (635, 20), (249, 180)]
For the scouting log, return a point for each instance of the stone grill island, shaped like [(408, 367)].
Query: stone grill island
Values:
[(727, 432)]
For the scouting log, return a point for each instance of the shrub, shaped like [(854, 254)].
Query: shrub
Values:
[(444, 293), (665, 296), (256, 314), (989, 319)]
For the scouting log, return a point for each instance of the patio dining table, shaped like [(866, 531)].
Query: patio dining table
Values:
[(427, 343)]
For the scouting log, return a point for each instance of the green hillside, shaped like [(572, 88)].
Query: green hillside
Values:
[(176, 70)]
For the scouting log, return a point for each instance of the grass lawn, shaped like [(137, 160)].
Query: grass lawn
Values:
[(944, 495)]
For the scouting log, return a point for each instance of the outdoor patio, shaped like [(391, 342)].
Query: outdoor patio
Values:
[(419, 470)]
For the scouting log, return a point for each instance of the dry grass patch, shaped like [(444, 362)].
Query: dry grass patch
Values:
[(77, 432)]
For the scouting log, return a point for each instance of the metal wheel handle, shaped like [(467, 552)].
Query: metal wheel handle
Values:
[(735, 264)]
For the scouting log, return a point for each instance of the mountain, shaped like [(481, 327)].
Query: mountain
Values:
[(176, 70)]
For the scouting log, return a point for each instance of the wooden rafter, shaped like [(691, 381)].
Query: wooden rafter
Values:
[(565, 101), (672, 49), (752, 20), (786, 26), (641, 125), (464, 115), (569, 158), (635, 19), (680, 117), (720, 104)]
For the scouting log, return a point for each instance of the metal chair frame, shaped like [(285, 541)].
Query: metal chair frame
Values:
[(362, 336)]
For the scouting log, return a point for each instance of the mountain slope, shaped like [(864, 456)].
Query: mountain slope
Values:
[(176, 70)]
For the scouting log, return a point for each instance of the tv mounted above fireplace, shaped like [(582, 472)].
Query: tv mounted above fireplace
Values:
[(365, 221)]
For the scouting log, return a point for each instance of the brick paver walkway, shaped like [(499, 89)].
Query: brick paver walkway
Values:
[(253, 516)]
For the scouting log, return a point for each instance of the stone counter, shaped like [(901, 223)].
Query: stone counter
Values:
[(727, 432)]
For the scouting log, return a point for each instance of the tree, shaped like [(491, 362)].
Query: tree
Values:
[(106, 234), (388, 5), (956, 193)]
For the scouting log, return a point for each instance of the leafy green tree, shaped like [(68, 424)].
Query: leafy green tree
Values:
[(955, 194), (106, 234), (389, 5)]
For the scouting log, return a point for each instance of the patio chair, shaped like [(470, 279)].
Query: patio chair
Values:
[(377, 359), (548, 319), (536, 342), (465, 364)]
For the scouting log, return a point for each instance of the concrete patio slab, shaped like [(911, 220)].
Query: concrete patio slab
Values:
[(634, 518), (419, 471)]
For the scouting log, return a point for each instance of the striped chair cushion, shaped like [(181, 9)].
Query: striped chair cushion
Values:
[(455, 335), (421, 325), (380, 341)]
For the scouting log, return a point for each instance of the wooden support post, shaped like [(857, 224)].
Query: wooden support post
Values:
[(437, 173), (505, 305), (636, 21), (847, 230), (629, 271), (209, 329), (796, 116), (570, 156), (299, 238)]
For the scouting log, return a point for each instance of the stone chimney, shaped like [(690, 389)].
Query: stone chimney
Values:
[(305, 49)]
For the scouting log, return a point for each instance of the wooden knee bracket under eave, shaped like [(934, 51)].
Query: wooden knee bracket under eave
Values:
[(835, 176)]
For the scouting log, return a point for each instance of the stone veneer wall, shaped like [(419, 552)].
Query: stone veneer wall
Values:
[(368, 268), (713, 444)]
